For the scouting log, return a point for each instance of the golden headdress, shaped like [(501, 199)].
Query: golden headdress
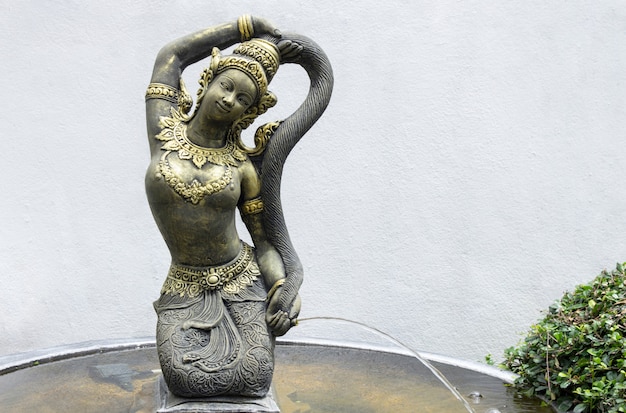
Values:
[(259, 59)]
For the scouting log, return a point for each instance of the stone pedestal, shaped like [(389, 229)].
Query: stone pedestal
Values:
[(170, 403)]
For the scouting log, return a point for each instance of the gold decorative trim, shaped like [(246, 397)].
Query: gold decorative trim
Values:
[(162, 91), (252, 206), (174, 134), (263, 52), (275, 287), (262, 137), (195, 191), (246, 29), (231, 278), (251, 67), (185, 102)]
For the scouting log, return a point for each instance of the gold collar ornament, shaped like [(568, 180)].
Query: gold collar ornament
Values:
[(195, 191), (174, 135)]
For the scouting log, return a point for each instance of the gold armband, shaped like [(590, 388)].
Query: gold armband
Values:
[(246, 30), (275, 287), (162, 91), (253, 206)]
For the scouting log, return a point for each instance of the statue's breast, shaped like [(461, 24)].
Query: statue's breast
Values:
[(179, 180)]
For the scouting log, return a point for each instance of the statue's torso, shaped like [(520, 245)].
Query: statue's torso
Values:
[(197, 224), (214, 341)]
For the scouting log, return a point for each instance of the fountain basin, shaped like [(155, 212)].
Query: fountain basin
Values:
[(310, 376)]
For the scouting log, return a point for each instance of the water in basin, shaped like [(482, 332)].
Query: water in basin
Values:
[(324, 366)]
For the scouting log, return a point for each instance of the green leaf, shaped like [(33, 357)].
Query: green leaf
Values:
[(578, 347), (565, 404)]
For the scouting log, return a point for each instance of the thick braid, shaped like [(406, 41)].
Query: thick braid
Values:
[(290, 131)]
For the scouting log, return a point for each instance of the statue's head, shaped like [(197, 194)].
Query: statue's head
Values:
[(250, 69)]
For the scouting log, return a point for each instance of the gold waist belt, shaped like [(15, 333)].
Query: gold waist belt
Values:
[(232, 277)]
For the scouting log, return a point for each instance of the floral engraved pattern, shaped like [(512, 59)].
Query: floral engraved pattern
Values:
[(174, 136), (195, 191), (216, 343), (196, 338)]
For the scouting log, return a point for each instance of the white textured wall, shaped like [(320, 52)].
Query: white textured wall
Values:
[(468, 171)]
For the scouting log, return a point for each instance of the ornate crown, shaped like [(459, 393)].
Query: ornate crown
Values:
[(257, 57), (262, 51)]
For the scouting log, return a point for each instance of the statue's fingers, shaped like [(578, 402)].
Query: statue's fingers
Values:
[(294, 51), (284, 45), (272, 319), (282, 327)]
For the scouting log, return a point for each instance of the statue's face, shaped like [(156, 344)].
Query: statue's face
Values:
[(228, 96)]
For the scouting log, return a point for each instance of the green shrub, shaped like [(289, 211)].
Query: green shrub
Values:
[(576, 356)]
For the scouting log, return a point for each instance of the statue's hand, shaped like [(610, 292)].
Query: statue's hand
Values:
[(263, 27), (281, 321), (290, 51)]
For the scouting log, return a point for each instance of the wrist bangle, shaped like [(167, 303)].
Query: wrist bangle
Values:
[(246, 29), (275, 287)]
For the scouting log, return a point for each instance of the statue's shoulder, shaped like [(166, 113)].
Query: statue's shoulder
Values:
[(246, 166)]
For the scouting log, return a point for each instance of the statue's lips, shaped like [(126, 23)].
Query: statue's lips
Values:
[(222, 107)]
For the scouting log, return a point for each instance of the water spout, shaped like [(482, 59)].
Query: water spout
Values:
[(444, 381)]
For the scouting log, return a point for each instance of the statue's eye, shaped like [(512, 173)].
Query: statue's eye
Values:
[(244, 100)]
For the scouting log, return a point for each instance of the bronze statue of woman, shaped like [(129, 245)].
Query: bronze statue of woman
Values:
[(223, 302)]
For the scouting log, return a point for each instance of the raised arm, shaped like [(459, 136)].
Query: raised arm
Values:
[(175, 56)]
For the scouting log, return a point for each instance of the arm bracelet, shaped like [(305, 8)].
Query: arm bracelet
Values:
[(246, 30), (252, 206), (162, 91), (275, 287)]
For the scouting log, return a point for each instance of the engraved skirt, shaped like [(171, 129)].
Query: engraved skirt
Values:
[(212, 338)]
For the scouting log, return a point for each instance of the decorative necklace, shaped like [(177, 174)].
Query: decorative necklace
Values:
[(195, 191), (174, 135)]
